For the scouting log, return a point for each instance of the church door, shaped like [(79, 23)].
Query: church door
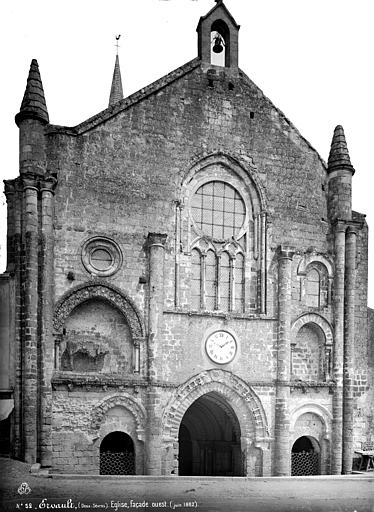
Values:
[(209, 439)]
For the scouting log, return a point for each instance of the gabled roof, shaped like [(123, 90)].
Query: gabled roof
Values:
[(154, 88), (128, 102), (219, 4)]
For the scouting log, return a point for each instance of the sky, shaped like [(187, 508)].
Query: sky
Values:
[(314, 60)]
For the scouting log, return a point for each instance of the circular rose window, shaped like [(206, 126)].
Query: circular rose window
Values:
[(101, 256), (218, 210)]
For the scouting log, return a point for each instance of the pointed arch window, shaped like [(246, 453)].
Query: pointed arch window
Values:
[(313, 287), (219, 213), (221, 227)]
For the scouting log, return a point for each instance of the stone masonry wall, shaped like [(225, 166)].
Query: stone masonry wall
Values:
[(120, 178), (363, 383)]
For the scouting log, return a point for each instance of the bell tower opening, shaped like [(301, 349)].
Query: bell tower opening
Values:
[(209, 439), (218, 37)]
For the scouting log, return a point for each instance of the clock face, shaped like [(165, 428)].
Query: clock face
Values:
[(221, 347)]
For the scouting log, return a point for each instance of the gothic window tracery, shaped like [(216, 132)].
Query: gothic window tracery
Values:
[(218, 213), (220, 239), (218, 210)]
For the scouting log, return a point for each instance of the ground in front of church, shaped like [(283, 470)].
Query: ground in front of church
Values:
[(21, 490)]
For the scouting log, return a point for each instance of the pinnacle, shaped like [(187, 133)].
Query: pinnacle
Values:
[(33, 104), (339, 155), (116, 92)]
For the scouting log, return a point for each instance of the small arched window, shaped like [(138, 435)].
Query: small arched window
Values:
[(316, 285), (313, 288)]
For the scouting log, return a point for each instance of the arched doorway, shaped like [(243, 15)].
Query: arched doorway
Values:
[(305, 457), (209, 439), (117, 455)]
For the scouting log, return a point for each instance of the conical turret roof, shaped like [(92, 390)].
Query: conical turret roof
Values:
[(33, 104), (116, 92), (339, 155)]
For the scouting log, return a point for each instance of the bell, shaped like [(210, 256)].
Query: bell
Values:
[(218, 44)]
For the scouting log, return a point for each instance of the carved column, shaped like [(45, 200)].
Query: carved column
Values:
[(30, 324), (263, 262), (348, 358), (202, 281), (156, 249), (138, 346), (338, 303), (57, 356), (177, 249), (156, 296), (282, 454), (47, 300)]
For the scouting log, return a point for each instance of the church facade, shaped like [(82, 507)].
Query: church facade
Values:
[(186, 283)]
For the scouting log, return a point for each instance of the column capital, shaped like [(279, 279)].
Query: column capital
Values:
[(9, 187), (138, 341), (156, 239), (340, 226), (48, 184), (352, 230), (30, 181), (355, 226), (286, 252)]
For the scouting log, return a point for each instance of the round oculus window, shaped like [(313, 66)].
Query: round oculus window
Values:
[(218, 210), (101, 259), (101, 256)]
